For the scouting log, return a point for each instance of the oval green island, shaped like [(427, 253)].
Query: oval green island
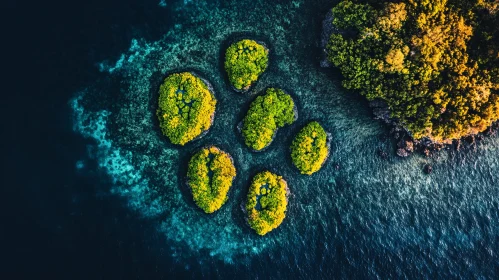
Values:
[(309, 149), (186, 107), (245, 61), (267, 202), (209, 175), (266, 114)]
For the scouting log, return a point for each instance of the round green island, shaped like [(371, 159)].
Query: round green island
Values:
[(186, 107), (267, 202), (309, 149), (266, 114), (245, 61), (209, 175)]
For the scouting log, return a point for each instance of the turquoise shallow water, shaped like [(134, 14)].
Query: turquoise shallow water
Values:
[(371, 217)]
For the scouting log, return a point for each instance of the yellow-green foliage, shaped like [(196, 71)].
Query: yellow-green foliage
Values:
[(186, 107), (210, 175), (309, 148), (245, 61), (434, 62), (266, 114), (267, 202)]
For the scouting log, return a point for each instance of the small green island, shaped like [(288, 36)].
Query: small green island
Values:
[(186, 107), (434, 63), (266, 114), (209, 175), (267, 202), (309, 149), (245, 61)]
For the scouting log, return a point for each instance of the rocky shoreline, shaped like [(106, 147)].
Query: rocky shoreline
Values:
[(406, 145), (327, 29)]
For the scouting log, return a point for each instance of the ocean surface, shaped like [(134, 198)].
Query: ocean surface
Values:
[(106, 198)]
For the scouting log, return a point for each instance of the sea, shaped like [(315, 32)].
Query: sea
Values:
[(96, 192)]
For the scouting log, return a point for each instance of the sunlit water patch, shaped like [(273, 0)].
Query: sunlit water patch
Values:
[(358, 210)]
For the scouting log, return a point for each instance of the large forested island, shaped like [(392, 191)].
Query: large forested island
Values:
[(433, 62)]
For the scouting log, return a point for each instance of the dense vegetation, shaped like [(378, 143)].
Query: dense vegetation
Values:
[(245, 61), (267, 202), (309, 149), (266, 114), (434, 62), (210, 174), (186, 107)]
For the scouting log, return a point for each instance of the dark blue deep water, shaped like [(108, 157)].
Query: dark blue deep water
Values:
[(93, 191)]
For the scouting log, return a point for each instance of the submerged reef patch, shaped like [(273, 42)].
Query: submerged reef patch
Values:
[(186, 107), (266, 114), (309, 149), (267, 202), (209, 176), (245, 61)]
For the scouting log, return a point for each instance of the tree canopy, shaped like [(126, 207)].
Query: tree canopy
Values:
[(266, 114), (186, 107), (266, 202), (245, 61), (309, 149), (434, 62), (210, 174)]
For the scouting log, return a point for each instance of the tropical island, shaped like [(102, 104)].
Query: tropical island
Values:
[(186, 107), (266, 114), (245, 61), (309, 149), (209, 175), (267, 201), (433, 64)]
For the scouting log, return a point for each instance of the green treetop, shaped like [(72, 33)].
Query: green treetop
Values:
[(267, 201), (210, 174), (309, 149), (245, 61), (266, 114), (186, 107)]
